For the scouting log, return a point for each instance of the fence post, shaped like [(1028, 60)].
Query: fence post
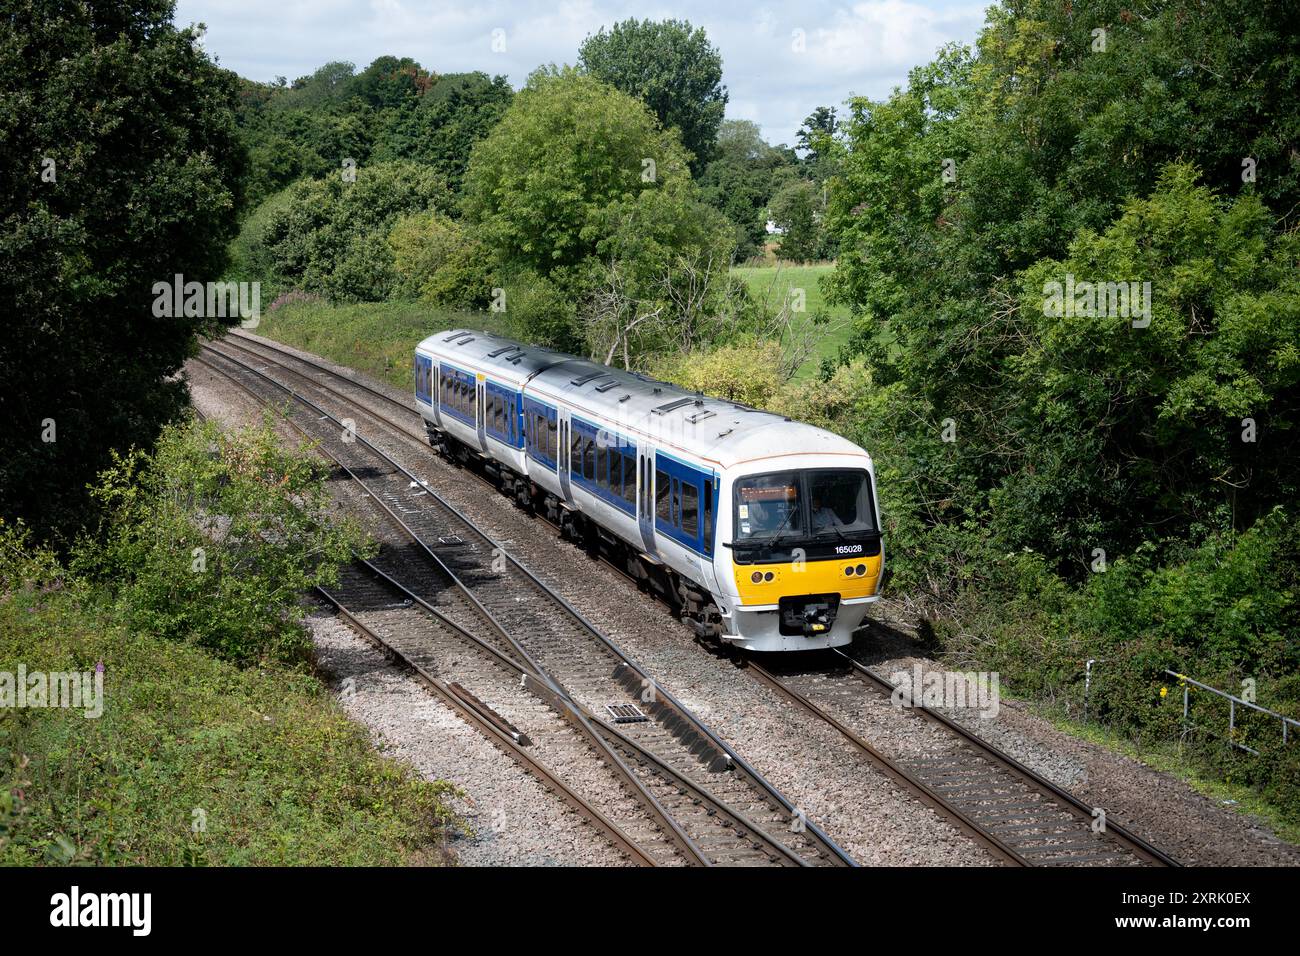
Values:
[(1087, 683)]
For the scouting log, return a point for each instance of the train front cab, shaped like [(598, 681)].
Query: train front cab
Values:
[(802, 555)]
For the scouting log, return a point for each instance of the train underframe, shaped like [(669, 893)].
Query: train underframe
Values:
[(686, 599)]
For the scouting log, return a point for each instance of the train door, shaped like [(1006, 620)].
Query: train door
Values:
[(436, 372), (480, 414), (645, 510), (562, 455)]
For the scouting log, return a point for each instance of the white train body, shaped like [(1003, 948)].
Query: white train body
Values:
[(763, 532)]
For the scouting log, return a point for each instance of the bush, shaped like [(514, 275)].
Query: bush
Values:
[(540, 311), (749, 373), (422, 243), (213, 537), (436, 260), (330, 236)]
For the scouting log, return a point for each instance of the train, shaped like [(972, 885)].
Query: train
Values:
[(758, 531)]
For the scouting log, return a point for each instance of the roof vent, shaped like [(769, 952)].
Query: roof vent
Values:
[(584, 379), (669, 406)]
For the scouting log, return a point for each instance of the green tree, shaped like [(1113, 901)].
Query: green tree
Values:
[(815, 138), (985, 165), (457, 111), (672, 68), (567, 148), (741, 179), (1122, 430), (797, 209), (389, 82), (120, 167)]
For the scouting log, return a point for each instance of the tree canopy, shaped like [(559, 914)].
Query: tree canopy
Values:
[(103, 196), (672, 68)]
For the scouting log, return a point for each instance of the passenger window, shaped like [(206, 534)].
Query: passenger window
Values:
[(602, 465), (690, 509), (550, 437), (677, 502), (629, 478), (663, 506)]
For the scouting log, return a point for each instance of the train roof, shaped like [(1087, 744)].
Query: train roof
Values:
[(728, 433)]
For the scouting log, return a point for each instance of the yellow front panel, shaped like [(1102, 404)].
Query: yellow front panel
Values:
[(810, 577)]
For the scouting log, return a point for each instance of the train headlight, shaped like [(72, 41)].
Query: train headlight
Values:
[(756, 577), (769, 576), (849, 570), (862, 569)]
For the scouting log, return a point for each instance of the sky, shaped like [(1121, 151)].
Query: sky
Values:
[(779, 61)]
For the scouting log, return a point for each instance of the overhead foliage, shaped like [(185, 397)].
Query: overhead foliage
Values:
[(1049, 153), (104, 194)]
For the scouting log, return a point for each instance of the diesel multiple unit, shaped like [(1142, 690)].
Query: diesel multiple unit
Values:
[(760, 531)]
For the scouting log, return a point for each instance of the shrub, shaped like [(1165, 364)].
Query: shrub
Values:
[(213, 537), (540, 311), (330, 235)]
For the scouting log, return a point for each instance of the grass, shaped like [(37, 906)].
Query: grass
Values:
[(774, 282), (378, 338), (193, 761)]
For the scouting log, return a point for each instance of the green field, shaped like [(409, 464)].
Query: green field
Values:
[(771, 283)]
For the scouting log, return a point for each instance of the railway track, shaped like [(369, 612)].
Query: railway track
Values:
[(714, 807), (1018, 816), (416, 636)]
